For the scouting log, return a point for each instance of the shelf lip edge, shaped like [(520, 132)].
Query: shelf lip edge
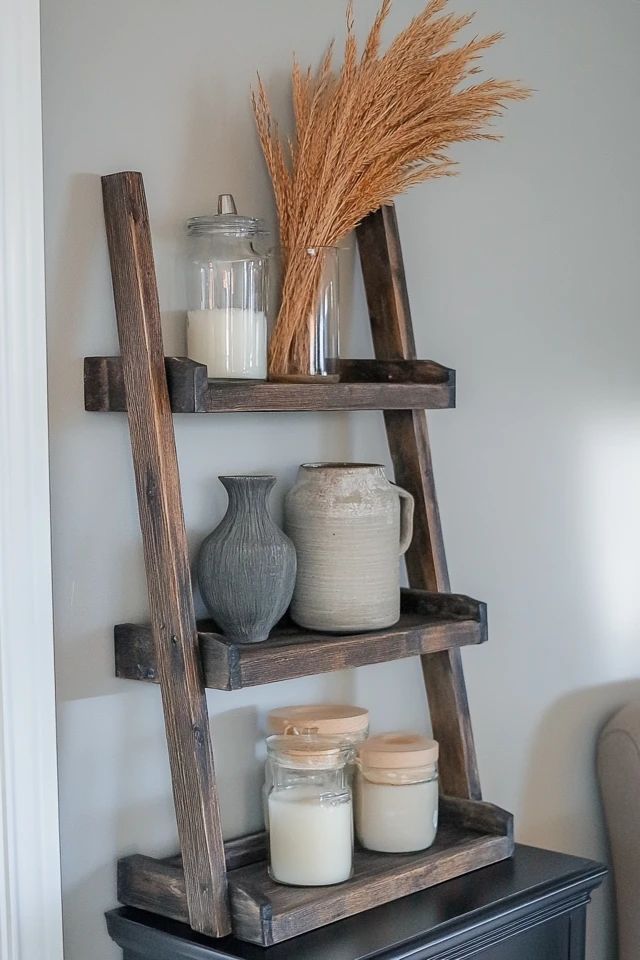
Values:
[(232, 667), (191, 391)]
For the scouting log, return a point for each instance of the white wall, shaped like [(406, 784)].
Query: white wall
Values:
[(523, 275)]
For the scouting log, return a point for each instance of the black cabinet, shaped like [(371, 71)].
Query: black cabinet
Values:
[(532, 907)]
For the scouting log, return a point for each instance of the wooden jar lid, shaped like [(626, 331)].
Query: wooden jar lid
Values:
[(398, 751), (324, 719), (308, 752)]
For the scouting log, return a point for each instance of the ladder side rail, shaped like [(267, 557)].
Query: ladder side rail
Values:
[(407, 434), (165, 552)]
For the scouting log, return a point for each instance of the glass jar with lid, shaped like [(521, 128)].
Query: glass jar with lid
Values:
[(396, 809), (310, 811), (227, 289), (346, 724)]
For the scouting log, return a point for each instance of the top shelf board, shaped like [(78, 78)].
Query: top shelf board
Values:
[(363, 385)]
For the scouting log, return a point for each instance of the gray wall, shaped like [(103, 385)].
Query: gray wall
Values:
[(523, 275)]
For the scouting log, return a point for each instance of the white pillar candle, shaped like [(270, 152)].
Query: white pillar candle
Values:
[(231, 342), (310, 836), (396, 818)]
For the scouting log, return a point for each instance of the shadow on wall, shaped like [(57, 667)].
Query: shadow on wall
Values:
[(561, 806), (239, 776)]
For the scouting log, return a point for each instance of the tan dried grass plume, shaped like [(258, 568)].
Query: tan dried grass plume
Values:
[(363, 135)]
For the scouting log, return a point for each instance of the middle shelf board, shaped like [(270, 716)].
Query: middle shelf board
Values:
[(429, 623), (363, 385)]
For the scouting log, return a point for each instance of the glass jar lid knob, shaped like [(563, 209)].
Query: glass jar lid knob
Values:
[(226, 203)]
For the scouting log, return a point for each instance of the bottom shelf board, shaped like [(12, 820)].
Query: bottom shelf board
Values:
[(471, 835)]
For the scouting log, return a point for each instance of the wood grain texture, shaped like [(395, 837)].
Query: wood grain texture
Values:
[(365, 385), (165, 551), (429, 622), (471, 835), (159, 885), (154, 885), (388, 303)]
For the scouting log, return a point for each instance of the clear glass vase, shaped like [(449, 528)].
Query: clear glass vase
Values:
[(315, 352), (324, 322)]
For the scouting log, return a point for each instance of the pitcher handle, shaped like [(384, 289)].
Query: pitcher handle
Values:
[(407, 504)]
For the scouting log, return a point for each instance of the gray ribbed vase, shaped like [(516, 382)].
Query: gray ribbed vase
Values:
[(246, 568)]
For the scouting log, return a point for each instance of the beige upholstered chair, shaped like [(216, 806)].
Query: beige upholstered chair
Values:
[(619, 775)]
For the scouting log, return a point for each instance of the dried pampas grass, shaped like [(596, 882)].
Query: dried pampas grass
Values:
[(363, 135)]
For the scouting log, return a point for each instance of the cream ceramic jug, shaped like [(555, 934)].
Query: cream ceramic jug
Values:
[(350, 526)]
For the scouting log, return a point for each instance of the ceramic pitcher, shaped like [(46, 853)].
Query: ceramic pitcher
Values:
[(350, 526)]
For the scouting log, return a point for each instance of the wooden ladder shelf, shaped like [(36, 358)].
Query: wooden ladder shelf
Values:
[(220, 888)]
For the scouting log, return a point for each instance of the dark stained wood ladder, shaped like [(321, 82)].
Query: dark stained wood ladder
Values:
[(166, 555), (198, 886), (388, 302)]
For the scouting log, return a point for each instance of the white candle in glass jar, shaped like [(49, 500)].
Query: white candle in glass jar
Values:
[(396, 793), (310, 836), (232, 342), (396, 818)]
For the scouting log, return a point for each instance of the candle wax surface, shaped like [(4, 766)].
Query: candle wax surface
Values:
[(310, 836), (231, 342), (396, 818)]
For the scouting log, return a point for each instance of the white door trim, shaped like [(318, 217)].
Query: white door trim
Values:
[(30, 901)]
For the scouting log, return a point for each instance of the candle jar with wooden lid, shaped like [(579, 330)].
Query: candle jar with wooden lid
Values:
[(396, 808), (345, 724), (310, 811)]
